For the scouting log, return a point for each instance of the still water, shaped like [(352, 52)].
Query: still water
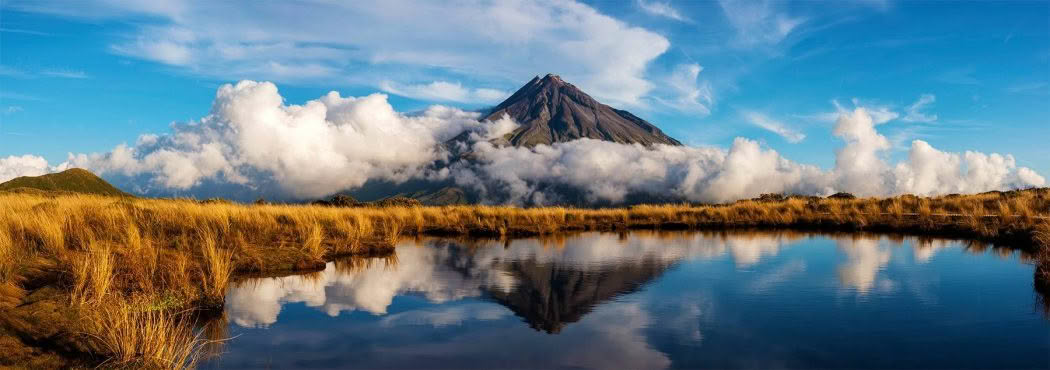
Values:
[(650, 300)]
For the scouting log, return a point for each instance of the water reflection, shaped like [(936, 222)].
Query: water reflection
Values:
[(644, 299), (547, 282)]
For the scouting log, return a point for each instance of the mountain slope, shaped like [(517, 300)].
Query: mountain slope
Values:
[(448, 195), (551, 110), (72, 180)]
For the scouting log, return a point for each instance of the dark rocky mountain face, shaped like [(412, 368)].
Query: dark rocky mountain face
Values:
[(550, 110), (550, 295)]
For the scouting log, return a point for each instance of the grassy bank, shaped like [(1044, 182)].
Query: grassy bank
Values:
[(94, 279)]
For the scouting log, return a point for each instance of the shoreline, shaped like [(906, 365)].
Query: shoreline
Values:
[(56, 244)]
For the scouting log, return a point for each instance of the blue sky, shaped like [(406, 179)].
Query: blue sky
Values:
[(83, 77)]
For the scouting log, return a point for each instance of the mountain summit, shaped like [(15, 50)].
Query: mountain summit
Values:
[(75, 180), (551, 110)]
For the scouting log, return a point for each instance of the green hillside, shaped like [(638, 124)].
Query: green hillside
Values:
[(74, 180), (442, 197)]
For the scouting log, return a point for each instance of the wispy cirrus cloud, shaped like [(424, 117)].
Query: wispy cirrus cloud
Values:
[(661, 9), (765, 122), (1028, 87), (759, 23), (19, 96), (880, 113), (690, 94), (60, 73), (444, 91), (913, 112), (24, 31), (8, 71)]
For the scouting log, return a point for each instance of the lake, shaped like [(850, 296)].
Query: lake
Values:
[(650, 300)]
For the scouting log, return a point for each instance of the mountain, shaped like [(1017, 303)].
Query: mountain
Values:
[(551, 110), (74, 180), (448, 195)]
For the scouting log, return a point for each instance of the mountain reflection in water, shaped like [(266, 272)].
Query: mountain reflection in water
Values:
[(548, 282), (594, 300)]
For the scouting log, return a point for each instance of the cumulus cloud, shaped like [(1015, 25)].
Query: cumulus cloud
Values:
[(252, 138), (661, 9), (25, 165), (879, 113), (491, 40), (914, 113), (606, 171), (774, 126), (609, 172), (444, 91)]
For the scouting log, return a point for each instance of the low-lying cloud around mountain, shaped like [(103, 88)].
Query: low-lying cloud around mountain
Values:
[(252, 140)]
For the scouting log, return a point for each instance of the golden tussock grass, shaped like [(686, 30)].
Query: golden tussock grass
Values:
[(217, 270), (92, 275), (133, 336)]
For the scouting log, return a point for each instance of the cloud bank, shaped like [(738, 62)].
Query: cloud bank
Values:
[(253, 141), (251, 138), (26, 165)]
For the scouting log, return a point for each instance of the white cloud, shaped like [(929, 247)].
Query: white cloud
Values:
[(12, 72), (879, 113), (661, 9), (444, 91), (497, 41), (25, 165), (606, 171), (691, 93), (859, 166), (913, 113), (65, 74), (323, 146), (1034, 87), (24, 31), (610, 172), (931, 171), (12, 109), (759, 23), (774, 126)]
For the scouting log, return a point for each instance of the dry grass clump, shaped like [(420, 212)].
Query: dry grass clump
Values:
[(136, 337), (92, 275), (1042, 237), (217, 269)]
